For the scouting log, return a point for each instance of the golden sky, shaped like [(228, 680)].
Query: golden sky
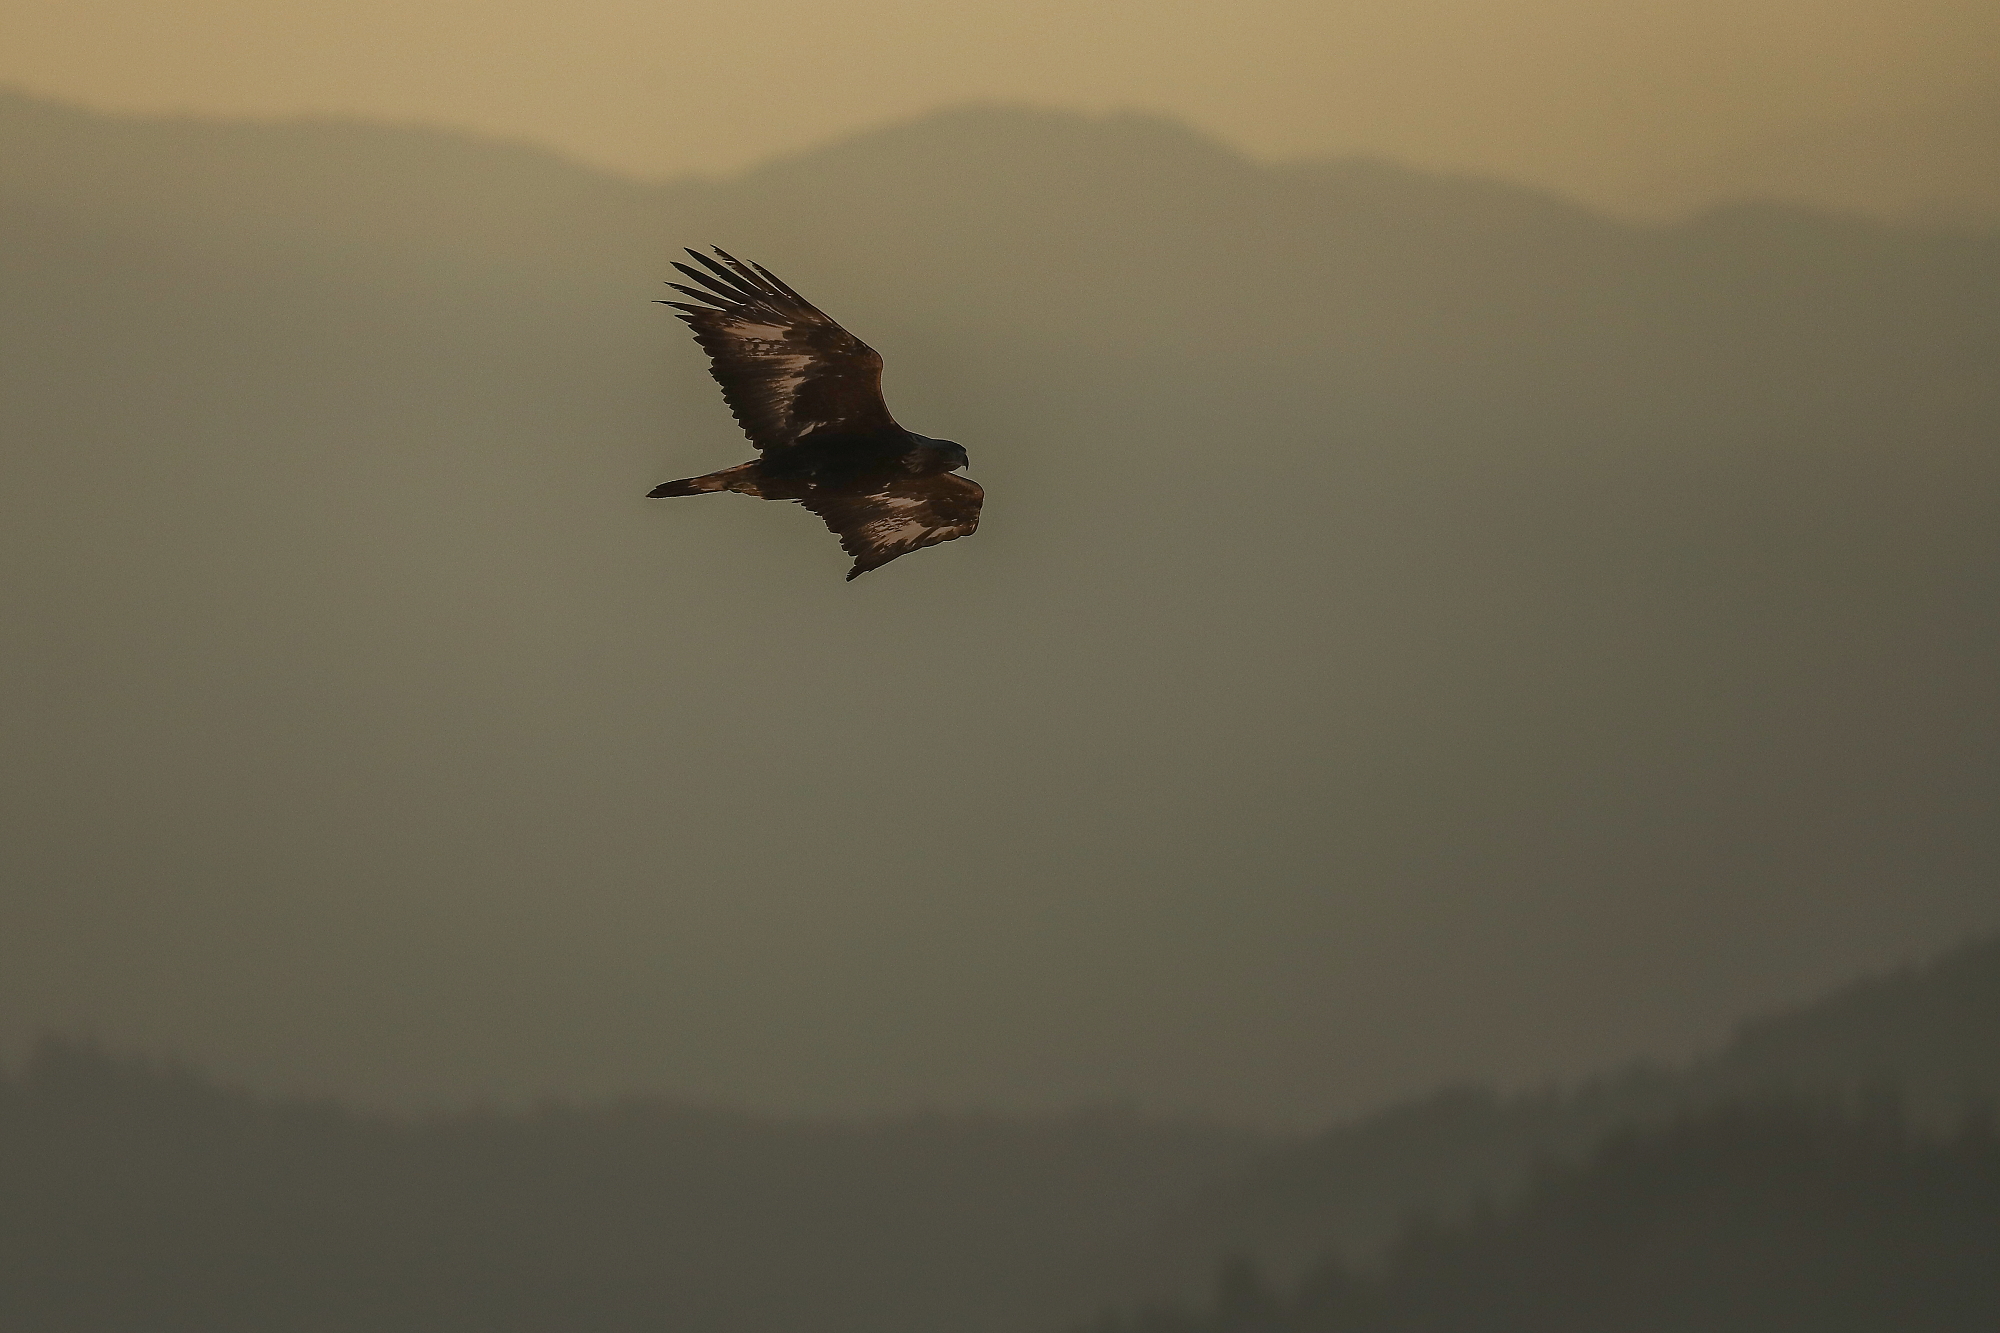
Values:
[(1610, 99)]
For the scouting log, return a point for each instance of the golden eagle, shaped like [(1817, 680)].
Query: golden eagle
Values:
[(809, 395)]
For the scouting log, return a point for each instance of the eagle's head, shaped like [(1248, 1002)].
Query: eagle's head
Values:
[(953, 451)]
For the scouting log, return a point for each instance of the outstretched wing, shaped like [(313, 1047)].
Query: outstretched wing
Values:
[(786, 370), (906, 515)]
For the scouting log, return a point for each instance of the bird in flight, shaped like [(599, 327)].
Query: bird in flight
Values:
[(809, 395)]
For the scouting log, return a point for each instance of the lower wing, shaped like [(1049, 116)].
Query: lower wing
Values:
[(906, 515)]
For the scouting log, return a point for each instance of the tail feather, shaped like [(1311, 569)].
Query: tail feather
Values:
[(742, 479)]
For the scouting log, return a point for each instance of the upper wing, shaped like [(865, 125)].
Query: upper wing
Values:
[(786, 369), (907, 515)]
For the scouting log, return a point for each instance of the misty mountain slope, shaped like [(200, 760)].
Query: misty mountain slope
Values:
[(340, 185), (1422, 631), (1928, 1032), (1928, 1037), (1753, 1218), (142, 1197)]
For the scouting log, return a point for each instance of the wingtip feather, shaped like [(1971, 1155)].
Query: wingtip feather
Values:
[(737, 277)]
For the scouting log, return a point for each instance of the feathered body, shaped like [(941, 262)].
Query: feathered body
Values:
[(809, 395)]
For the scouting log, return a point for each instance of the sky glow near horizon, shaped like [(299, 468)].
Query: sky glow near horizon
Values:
[(1637, 108)]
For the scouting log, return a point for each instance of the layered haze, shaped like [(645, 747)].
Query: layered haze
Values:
[(1423, 629), (1887, 106)]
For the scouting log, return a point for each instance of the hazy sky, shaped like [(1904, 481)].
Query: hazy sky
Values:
[(1599, 649), (1545, 643), (1633, 104)]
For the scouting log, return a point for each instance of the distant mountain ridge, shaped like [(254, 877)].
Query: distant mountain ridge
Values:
[(324, 178)]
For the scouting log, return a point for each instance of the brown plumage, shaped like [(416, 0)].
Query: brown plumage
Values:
[(809, 395)]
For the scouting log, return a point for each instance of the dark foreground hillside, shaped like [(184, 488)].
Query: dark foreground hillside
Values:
[(137, 1197), (1929, 1035), (1775, 1219), (134, 1199)]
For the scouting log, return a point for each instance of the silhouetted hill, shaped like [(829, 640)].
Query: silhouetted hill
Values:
[(139, 1196), (1759, 1219), (134, 1197), (1928, 1037)]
